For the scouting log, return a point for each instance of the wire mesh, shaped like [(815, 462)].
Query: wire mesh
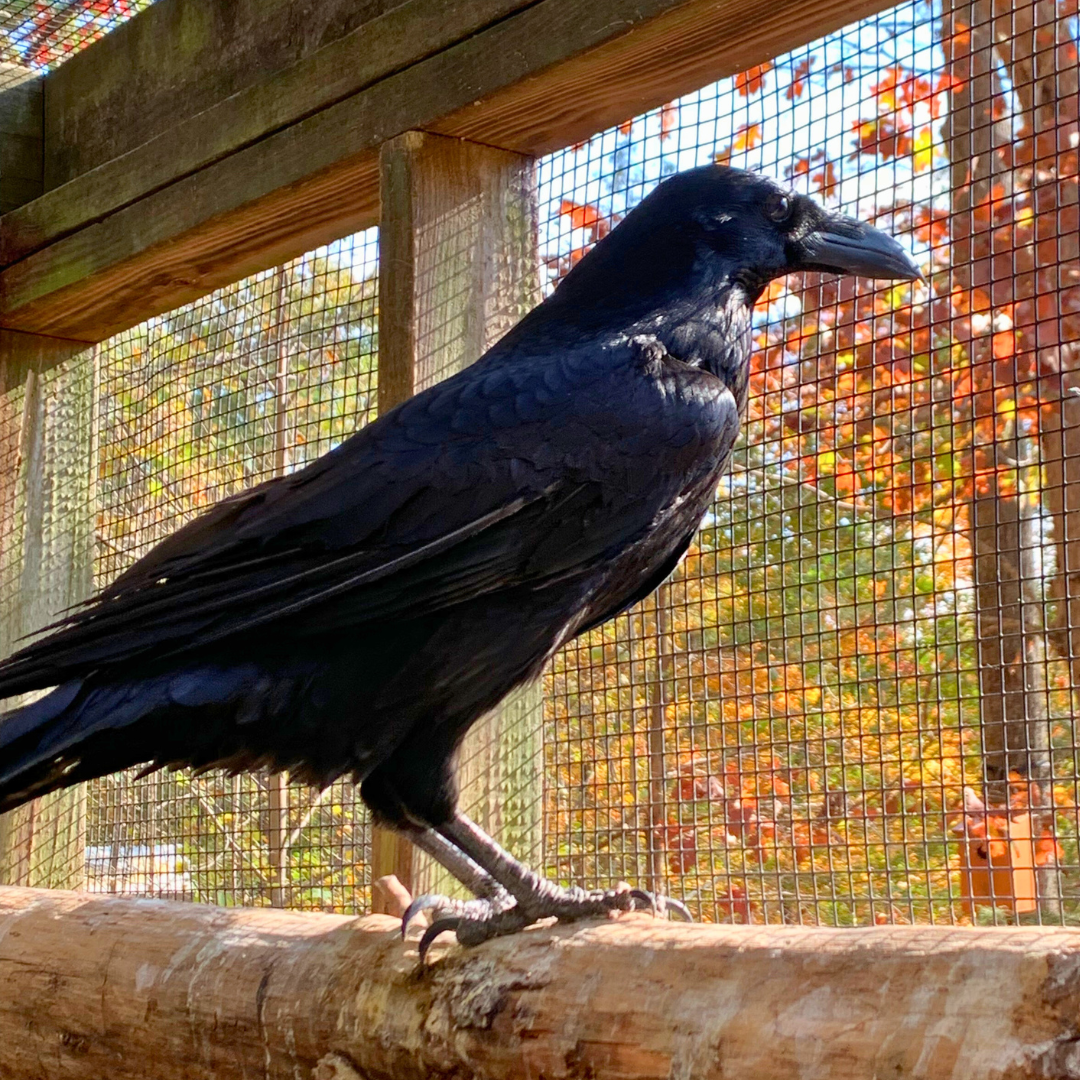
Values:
[(852, 703), (36, 35), (250, 382)]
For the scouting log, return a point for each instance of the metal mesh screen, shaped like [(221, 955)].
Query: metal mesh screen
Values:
[(250, 382), (40, 34), (852, 703)]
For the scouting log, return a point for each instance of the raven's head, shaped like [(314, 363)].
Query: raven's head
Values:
[(755, 230), (714, 232)]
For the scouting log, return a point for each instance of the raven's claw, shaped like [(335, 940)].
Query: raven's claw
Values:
[(439, 926), (443, 909), (476, 921), (427, 902)]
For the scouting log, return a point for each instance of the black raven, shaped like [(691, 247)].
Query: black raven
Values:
[(356, 617)]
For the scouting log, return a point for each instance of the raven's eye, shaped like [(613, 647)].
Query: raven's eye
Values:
[(778, 207)]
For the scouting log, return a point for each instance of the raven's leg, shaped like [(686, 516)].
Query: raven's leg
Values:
[(492, 897), (479, 882), (536, 898), (382, 789)]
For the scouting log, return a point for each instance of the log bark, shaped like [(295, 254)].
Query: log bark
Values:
[(95, 986)]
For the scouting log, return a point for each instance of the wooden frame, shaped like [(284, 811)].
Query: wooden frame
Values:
[(289, 159)]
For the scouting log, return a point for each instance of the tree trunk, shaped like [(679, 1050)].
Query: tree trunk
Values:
[(1008, 607), (1029, 279)]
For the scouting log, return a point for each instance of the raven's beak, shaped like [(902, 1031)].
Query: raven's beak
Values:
[(846, 246)]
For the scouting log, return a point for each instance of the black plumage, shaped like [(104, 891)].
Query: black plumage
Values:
[(356, 617)]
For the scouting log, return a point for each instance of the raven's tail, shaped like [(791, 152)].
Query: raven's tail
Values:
[(76, 732), (29, 743), (202, 716)]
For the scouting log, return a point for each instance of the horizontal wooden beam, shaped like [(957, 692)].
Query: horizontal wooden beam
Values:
[(116, 135), (96, 986), (257, 179)]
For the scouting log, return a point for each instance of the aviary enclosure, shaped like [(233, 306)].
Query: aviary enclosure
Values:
[(852, 704)]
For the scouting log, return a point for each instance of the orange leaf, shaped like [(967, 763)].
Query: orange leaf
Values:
[(747, 137), (752, 80), (1004, 345), (798, 79), (581, 216), (669, 119), (585, 216)]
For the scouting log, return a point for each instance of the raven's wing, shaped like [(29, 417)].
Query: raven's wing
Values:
[(497, 477)]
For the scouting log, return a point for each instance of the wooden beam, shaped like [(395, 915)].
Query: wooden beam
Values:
[(115, 134), (458, 266), (535, 80), (95, 986)]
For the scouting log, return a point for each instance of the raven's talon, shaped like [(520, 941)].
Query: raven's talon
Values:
[(570, 904), (477, 921), (428, 902), (443, 908), (438, 927), (472, 929)]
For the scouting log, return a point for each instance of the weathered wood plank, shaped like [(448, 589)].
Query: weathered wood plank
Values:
[(174, 60), (176, 146), (458, 266), (96, 987), (541, 78), (21, 137)]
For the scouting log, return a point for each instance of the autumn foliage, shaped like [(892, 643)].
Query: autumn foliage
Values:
[(812, 679)]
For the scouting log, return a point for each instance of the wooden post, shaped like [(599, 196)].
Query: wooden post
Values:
[(94, 986), (47, 415), (658, 692), (457, 268), (22, 123)]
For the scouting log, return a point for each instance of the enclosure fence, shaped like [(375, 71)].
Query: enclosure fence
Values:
[(853, 701)]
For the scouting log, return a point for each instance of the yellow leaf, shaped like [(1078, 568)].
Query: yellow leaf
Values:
[(923, 156)]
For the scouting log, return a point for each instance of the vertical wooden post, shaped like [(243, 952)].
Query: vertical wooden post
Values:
[(458, 267), (46, 557), (22, 132)]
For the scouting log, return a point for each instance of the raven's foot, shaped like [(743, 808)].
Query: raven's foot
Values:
[(439, 907), (475, 921)]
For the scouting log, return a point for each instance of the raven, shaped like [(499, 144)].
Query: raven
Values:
[(356, 617)]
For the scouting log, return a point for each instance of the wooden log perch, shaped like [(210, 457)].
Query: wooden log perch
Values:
[(113, 988)]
